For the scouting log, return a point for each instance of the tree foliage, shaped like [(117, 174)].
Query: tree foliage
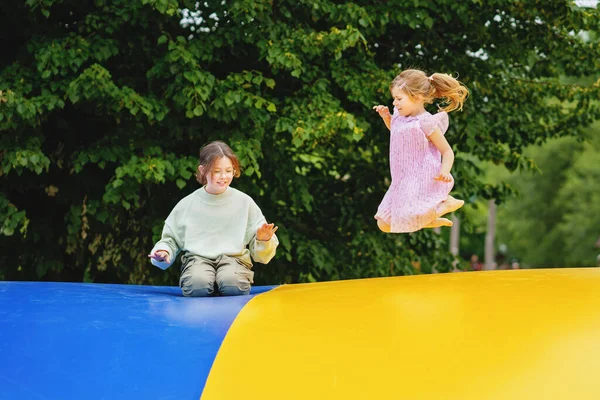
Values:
[(103, 106), (553, 222)]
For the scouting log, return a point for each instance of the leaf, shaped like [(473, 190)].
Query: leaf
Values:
[(189, 75)]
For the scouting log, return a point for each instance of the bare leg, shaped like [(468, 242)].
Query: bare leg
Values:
[(383, 226), (439, 222), (449, 205)]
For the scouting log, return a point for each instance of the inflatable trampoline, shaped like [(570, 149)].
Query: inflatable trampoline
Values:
[(523, 334)]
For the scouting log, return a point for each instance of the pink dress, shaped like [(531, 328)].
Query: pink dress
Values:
[(411, 201)]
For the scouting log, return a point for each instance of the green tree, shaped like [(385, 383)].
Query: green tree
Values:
[(554, 220), (103, 106)]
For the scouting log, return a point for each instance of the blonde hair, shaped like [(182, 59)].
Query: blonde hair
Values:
[(437, 86), (209, 154)]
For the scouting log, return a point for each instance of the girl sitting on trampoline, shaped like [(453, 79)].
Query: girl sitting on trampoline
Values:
[(219, 229)]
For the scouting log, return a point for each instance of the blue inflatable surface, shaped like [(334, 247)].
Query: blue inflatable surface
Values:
[(98, 341)]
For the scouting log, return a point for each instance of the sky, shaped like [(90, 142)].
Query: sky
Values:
[(587, 3)]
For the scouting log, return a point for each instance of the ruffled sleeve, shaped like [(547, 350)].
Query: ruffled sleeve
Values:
[(431, 122)]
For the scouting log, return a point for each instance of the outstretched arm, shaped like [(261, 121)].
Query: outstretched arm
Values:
[(447, 155), (385, 115)]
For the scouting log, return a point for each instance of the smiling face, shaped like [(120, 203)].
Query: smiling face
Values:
[(220, 176), (405, 105)]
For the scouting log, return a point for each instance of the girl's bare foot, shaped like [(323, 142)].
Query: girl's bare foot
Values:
[(383, 226), (450, 205), (439, 222)]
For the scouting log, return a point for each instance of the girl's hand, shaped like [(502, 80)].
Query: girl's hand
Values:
[(265, 232), (160, 256), (383, 111), (443, 177)]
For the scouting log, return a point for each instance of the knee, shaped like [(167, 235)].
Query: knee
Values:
[(234, 284), (189, 291), (233, 290), (197, 285)]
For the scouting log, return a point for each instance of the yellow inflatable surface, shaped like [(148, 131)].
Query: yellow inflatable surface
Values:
[(523, 334)]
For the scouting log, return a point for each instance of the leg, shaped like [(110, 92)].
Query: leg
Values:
[(233, 277), (384, 227), (449, 205), (197, 277), (439, 222)]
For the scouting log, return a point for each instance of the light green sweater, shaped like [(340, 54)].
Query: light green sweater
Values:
[(211, 225)]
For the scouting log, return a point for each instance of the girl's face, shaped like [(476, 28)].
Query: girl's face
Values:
[(405, 105), (220, 177)]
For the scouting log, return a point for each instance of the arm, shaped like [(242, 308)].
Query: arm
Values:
[(447, 155), (384, 113), (264, 244), (165, 250)]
